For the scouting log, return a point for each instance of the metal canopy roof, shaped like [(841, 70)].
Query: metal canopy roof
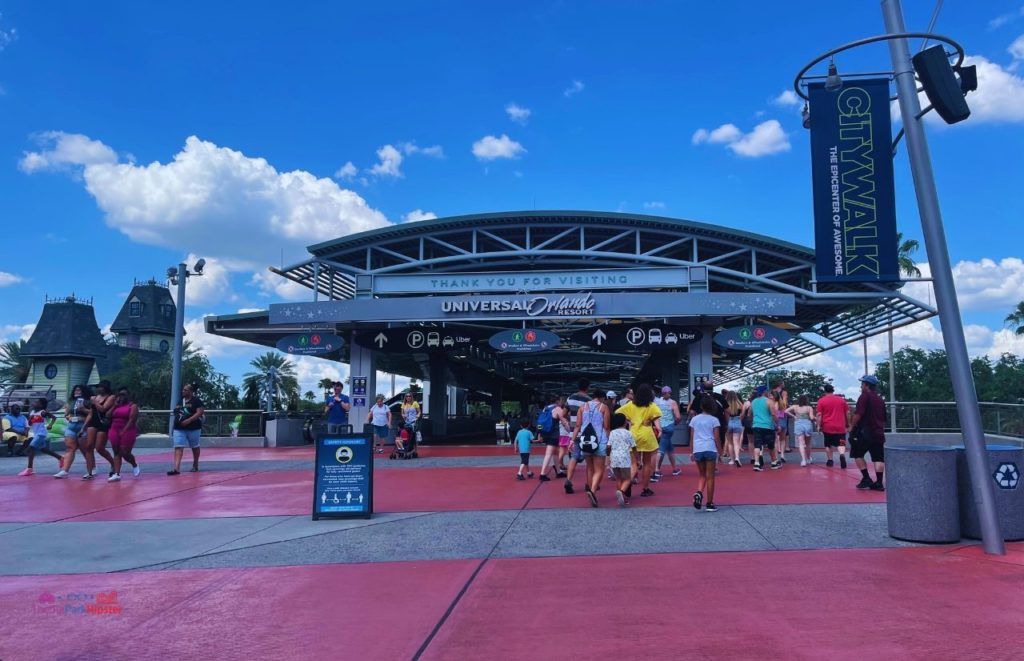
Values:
[(827, 314)]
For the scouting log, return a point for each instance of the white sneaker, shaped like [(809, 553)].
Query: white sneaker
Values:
[(803, 462), (810, 460), (114, 478), (136, 470), (60, 475)]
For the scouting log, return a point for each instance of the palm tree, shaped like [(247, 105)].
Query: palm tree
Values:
[(273, 381), (1016, 319), (14, 367), (904, 256), (310, 397), (326, 385)]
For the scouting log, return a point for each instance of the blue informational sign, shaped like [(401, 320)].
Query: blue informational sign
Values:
[(310, 344), (343, 482), (854, 198), (524, 340), (751, 338)]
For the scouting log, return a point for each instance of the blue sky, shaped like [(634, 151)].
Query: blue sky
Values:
[(136, 134)]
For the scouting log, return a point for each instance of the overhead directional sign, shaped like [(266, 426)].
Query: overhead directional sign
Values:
[(418, 339), (524, 340), (310, 344), (635, 337), (751, 338)]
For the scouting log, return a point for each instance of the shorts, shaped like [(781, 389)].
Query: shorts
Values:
[(189, 437), (74, 429), (734, 426), (579, 455), (380, 431), (803, 428), (665, 442), (704, 456), (124, 439), (524, 458), (834, 440), (549, 439), (564, 441), (622, 473), (782, 425), (860, 447), (99, 427), (764, 438), (40, 442)]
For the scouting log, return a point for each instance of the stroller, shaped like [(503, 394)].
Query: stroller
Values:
[(409, 435)]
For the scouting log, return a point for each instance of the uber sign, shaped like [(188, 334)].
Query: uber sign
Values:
[(417, 339), (635, 337)]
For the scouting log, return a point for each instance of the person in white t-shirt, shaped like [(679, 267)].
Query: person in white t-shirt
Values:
[(622, 450), (705, 429), (380, 418)]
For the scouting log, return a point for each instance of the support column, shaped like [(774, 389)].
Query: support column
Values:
[(438, 395), (361, 363), (700, 357), (670, 369)]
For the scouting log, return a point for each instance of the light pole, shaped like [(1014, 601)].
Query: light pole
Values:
[(942, 274), (178, 275)]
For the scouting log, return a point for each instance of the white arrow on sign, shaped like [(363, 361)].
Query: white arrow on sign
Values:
[(599, 336), (381, 339)]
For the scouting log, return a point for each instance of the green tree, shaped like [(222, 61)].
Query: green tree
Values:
[(14, 366), (274, 376), (798, 382), (150, 382), (326, 385), (923, 376), (904, 256), (1016, 319)]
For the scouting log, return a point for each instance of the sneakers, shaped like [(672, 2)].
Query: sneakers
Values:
[(61, 474), (877, 486), (519, 477), (738, 463), (529, 474), (677, 472), (621, 498), (803, 463), (782, 459), (88, 476), (656, 475), (646, 492), (758, 468), (777, 464), (25, 473), (654, 479), (561, 475), (698, 498), (136, 470), (829, 463), (711, 507), (568, 487), (865, 483), (842, 461), (593, 498), (544, 478), (114, 478), (810, 460)]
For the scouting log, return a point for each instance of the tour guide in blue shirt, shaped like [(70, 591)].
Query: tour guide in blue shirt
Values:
[(337, 408)]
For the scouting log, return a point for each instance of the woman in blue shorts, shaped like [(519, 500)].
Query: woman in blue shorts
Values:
[(803, 426), (76, 412)]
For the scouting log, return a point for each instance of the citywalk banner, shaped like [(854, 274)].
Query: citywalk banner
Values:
[(854, 198)]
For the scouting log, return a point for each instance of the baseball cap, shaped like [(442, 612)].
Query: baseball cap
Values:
[(869, 379), (761, 390), (610, 394), (665, 390)]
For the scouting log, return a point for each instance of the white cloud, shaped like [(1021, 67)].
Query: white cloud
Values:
[(64, 151), (434, 151), (10, 332), (347, 172), (654, 205), (271, 284), (389, 164), (766, 138), (310, 371), (489, 148), (574, 88), (1009, 17), (986, 285), (8, 279), (418, 214), (788, 99), (213, 286), (517, 113), (219, 202), (1000, 94), (1016, 49), (247, 310), (215, 346), (7, 36)]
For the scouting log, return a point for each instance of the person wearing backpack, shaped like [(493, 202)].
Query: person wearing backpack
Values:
[(548, 424), (590, 442)]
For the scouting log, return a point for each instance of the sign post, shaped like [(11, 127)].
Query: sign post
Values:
[(343, 481)]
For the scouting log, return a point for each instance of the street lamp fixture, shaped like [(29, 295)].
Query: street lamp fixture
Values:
[(179, 275), (832, 80)]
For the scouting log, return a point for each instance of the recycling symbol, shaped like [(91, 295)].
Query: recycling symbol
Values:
[(1007, 475)]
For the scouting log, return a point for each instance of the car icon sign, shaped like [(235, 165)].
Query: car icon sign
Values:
[(671, 338), (448, 341)]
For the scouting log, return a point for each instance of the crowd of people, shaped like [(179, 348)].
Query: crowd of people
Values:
[(94, 416), (629, 439)]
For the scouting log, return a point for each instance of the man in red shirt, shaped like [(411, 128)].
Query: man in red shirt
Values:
[(834, 422), (869, 433)]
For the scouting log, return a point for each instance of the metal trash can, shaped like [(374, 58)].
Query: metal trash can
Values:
[(501, 433), (1005, 464), (921, 493)]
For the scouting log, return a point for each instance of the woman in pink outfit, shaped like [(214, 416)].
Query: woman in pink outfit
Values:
[(123, 432)]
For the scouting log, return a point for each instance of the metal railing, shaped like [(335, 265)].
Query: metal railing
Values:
[(242, 422), (997, 418)]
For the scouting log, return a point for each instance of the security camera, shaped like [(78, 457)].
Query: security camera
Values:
[(200, 265), (172, 272)]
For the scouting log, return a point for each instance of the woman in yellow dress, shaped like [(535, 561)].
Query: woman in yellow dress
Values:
[(644, 419)]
